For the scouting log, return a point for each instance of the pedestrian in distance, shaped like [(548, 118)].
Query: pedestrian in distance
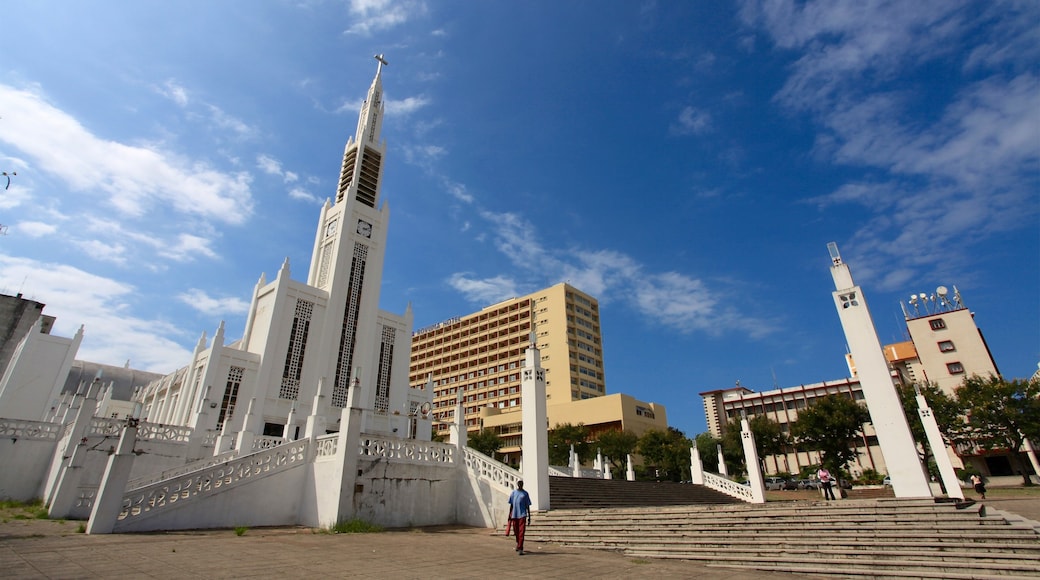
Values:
[(980, 488), (519, 515), (826, 481)]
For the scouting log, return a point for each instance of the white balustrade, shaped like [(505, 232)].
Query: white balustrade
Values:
[(485, 467), (181, 470), (325, 447), (728, 487), (261, 442), (36, 430), (409, 450), (204, 482)]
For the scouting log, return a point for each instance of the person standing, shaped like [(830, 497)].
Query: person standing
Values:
[(519, 514), (826, 481), (980, 488)]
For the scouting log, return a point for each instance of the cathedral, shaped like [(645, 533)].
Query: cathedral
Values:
[(304, 344)]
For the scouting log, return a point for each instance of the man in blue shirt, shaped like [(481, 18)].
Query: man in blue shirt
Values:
[(519, 514)]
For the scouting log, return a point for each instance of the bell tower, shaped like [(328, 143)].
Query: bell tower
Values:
[(349, 246)]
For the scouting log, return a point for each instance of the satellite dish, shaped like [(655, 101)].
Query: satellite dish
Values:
[(941, 291)]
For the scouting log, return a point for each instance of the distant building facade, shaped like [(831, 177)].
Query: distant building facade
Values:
[(945, 347), (478, 358)]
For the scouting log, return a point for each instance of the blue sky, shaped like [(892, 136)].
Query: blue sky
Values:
[(684, 162)]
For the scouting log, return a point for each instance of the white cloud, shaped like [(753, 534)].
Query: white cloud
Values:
[(77, 297), (102, 251), (406, 106), (133, 179), (203, 302), (484, 291), (941, 182), (303, 194), (669, 299), (34, 229), (376, 15), (173, 91), (186, 248), (692, 121), (272, 166)]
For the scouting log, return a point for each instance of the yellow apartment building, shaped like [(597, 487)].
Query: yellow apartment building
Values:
[(477, 358)]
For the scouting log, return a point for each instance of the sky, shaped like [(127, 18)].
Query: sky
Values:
[(684, 162)]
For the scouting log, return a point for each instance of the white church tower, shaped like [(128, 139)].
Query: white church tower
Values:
[(306, 344)]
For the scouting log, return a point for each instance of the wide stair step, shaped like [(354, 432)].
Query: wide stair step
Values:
[(854, 538), (582, 492)]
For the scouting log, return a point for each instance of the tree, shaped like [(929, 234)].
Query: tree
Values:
[(769, 440), (560, 440), (830, 425), (667, 451), (1002, 414), (616, 445), (485, 441), (707, 446), (947, 411)]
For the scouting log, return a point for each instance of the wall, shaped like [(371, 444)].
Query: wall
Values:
[(24, 464)]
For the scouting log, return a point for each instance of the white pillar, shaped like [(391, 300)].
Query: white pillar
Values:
[(630, 473), (938, 447), (316, 424), (696, 467), (109, 501), (458, 434), (535, 424), (606, 470), (722, 462), (575, 464), (758, 485), (883, 403)]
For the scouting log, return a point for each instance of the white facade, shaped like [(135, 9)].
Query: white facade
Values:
[(306, 344)]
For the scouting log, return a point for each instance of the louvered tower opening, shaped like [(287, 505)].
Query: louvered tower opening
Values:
[(368, 181)]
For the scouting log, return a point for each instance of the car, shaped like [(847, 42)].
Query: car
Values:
[(808, 484), (778, 483)]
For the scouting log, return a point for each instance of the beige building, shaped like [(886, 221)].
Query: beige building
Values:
[(945, 347), (478, 358)]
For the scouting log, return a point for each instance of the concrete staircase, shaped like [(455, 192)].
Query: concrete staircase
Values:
[(579, 492), (883, 538)]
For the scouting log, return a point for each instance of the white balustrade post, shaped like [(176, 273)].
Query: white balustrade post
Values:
[(316, 426), (758, 485), (938, 447), (630, 473), (722, 462), (535, 425), (349, 444), (109, 501), (244, 439), (696, 467)]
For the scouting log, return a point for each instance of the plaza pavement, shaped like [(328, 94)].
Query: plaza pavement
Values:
[(54, 549)]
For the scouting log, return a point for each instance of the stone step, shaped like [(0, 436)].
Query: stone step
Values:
[(1009, 541), (948, 548), (868, 572), (905, 568)]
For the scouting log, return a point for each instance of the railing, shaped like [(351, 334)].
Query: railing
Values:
[(104, 426), (140, 482), (325, 447), (409, 450), (560, 471), (205, 482), (34, 430), (261, 442), (728, 487), (481, 465)]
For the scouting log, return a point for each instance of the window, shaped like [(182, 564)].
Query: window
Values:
[(955, 368), (937, 324), (946, 346)]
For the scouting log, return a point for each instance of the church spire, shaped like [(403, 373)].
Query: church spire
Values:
[(363, 155)]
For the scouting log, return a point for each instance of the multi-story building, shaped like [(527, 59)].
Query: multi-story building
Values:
[(945, 347), (477, 358)]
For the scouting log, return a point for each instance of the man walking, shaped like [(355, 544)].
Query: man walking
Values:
[(519, 514)]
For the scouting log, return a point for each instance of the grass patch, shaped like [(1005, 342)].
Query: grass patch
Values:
[(82, 529), (353, 526), (241, 530), (640, 561)]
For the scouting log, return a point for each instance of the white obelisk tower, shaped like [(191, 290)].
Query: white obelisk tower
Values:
[(886, 410)]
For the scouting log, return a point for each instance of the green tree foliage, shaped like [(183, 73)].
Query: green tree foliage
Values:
[(1001, 414), (667, 452), (831, 425), (562, 437), (616, 445), (485, 441), (769, 440), (707, 446), (946, 410)]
